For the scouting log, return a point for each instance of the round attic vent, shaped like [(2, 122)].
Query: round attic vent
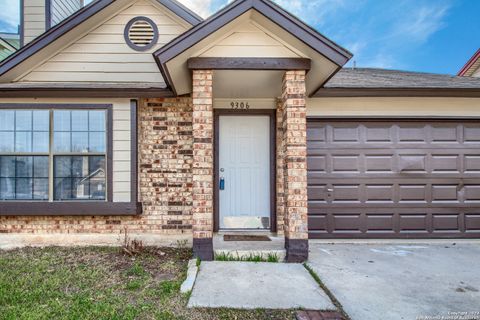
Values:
[(141, 33)]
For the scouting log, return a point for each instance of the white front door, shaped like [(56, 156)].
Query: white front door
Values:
[(244, 172)]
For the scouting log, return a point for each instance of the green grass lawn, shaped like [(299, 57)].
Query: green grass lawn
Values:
[(102, 283)]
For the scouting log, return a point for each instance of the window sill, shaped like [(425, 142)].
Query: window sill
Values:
[(70, 208)]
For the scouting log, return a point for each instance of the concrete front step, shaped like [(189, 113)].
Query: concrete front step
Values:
[(245, 249), (244, 254)]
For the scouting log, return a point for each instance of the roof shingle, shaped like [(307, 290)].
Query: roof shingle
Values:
[(369, 78)]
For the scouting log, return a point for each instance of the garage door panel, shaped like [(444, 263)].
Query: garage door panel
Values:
[(379, 193), (345, 163), (446, 222), (412, 133), (471, 133), (472, 222), (345, 133), (394, 179), (472, 163), (379, 163), (350, 222), (413, 222), (443, 193), (444, 163), (445, 133), (379, 133), (384, 222)]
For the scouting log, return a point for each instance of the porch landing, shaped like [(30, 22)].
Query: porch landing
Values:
[(241, 249)]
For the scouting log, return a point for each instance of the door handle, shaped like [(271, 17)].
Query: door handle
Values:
[(222, 183)]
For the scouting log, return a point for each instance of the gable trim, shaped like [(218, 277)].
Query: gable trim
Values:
[(470, 63), (77, 18)]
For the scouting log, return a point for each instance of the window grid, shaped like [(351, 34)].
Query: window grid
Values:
[(51, 154)]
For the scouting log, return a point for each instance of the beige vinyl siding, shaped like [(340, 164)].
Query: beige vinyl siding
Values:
[(121, 140), (122, 152), (477, 72), (249, 40), (33, 19), (62, 9), (103, 56), (393, 107)]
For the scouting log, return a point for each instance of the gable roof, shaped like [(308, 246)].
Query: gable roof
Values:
[(334, 53), (383, 82), (78, 18), (471, 66)]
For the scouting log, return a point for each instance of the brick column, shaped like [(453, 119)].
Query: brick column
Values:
[(295, 165), (202, 164)]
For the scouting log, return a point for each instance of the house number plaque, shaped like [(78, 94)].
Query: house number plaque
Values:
[(240, 105)]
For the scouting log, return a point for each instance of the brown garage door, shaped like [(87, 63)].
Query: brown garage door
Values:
[(393, 179)]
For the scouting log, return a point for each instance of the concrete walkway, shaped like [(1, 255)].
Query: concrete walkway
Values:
[(401, 281), (250, 285)]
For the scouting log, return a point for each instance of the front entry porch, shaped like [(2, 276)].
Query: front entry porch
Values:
[(249, 170)]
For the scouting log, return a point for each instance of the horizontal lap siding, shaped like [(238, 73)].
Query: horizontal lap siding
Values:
[(103, 56), (395, 179), (121, 153), (34, 19), (249, 40)]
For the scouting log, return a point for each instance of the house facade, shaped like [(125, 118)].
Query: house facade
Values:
[(139, 115)]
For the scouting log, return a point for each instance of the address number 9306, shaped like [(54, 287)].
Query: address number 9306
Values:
[(240, 105)]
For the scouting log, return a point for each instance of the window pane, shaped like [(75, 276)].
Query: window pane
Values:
[(7, 167), (87, 180), (61, 120), (24, 188), (23, 120), (63, 167), (6, 141), (61, 142), (81, 189), (79, 141), (40, 167), (40, 189), (40, 141), (24, 167), (96, 163), (97, 142), (63, 189), (41, 120), (7, 120), (97, 188), (97, 120), (7, 188), (79, 167), (79, 120), (23, 141)]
